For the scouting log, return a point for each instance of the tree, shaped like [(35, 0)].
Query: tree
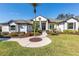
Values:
[(64, 16), (37, 26), (60, 16), (69, 15), (34, 6)]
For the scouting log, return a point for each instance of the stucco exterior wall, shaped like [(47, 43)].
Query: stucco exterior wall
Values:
[(72, 21), (29, 28), (22, 28), (64, 26), (5, 28), (61, 27), (13, 23)]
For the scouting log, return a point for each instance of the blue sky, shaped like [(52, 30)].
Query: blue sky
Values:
[(16, 11)]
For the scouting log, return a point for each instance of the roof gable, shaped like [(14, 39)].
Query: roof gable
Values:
[(40, 18), (72, 20), (64, 20)]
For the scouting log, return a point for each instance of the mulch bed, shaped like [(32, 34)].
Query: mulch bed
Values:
[(35, 39)]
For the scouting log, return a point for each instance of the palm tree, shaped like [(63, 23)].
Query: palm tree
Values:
[(34, 6)]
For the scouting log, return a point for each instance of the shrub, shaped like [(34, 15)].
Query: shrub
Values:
[(4, 33), (29, 34), (1, 35), (40, 31), (21, 34), (13, 34), (37, 33), (32, 34), (55, 33), (52, 32), (49, 32), (70, 31), (77, 32)]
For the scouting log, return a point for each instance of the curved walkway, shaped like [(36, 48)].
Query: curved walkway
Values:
[(26, 43)]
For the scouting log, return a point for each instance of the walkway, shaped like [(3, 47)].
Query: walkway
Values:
[(26, 43)]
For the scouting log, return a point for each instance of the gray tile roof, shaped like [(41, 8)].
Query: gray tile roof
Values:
[(18, 22), (21, 21), (31, 21), (55, 20), (59, 21)]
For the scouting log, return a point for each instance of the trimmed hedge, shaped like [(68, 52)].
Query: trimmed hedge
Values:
[(4, 33), (52, 32), (29, 34), (40, 31), (22, 34), (13, 34), (70, 32)]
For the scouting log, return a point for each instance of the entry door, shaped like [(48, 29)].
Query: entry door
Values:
[(43, 26)]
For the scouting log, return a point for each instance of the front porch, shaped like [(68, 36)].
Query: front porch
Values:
[(43, 25)]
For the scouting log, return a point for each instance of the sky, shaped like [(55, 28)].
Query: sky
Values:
[(16, 11)]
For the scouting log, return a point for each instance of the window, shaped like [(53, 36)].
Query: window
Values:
[(12, 27), (22, 27), (51, 26), (70, 25)]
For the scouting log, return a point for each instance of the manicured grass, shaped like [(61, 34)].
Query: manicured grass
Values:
[(63, 44)]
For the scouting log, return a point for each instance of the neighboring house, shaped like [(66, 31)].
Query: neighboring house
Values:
[(44, 24)]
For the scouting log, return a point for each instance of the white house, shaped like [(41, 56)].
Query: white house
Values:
[(17, 26), (44, 24)]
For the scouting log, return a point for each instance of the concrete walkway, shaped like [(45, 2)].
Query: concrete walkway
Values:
[(26, 43)]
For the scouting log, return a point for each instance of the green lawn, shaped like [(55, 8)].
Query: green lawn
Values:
[(63, 44)]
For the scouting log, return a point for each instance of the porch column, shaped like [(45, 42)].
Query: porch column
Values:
[(46, 25), (76, 25), (40, 25), (16, 28)]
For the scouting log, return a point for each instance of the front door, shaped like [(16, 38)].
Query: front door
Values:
[(43, 26)]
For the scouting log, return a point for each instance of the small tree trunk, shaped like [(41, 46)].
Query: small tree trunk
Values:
[(35, 21)]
